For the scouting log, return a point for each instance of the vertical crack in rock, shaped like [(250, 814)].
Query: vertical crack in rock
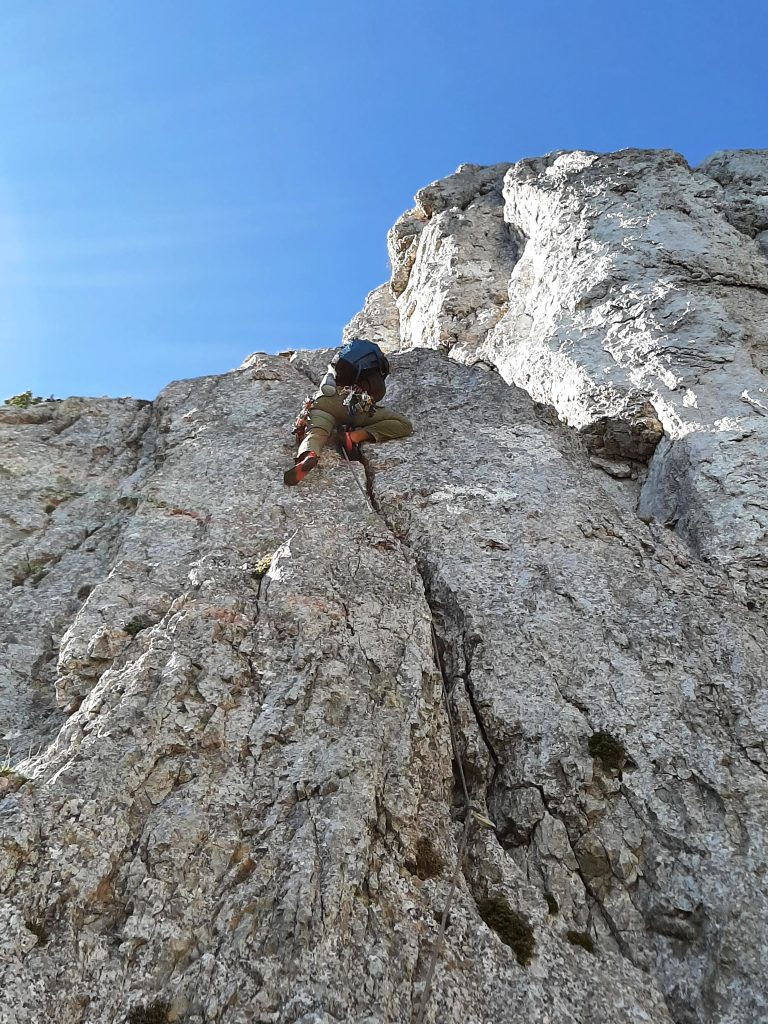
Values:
[(466, 642), (589, 622)]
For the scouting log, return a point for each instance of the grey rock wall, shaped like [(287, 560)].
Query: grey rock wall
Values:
[(630, 292), (229, 793)]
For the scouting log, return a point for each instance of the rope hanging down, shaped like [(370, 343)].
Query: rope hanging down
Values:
[(354, 474), (472, 815)]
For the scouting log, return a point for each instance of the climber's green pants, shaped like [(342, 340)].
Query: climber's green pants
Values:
[(329, 411)]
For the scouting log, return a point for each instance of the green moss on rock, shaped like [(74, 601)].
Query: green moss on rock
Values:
[(582, 939), (608, 750), (429, 863), (511, 926)]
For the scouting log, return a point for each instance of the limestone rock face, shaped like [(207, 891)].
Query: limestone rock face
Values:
[(230, 794), (628, 291), (377, 321), (62, 465)]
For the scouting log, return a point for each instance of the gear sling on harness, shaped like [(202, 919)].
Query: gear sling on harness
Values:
[(357, 359)]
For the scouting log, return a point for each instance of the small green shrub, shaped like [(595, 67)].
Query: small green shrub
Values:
[(16, 778), (582, 939), (84, 591), (262, 566), (137, 623), (511, 927), (154, 1013), (607, 749), (429, 863), (552, 905), (24, 400)]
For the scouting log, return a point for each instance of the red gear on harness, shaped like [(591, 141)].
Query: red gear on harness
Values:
[(302, 420)]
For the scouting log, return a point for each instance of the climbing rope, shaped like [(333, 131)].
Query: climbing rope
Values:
[(354, 474), (472, 815)]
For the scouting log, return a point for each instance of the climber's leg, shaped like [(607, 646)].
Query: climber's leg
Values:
[(385, 425), (326, 412)]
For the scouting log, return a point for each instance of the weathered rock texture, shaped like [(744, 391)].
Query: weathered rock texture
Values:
[(631, 293), (229, 794)]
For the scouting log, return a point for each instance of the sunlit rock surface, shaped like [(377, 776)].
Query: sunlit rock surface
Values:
[(228, 794), (631, 293)]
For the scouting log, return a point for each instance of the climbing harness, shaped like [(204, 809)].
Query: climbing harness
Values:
[(472, 816), (356, 402)]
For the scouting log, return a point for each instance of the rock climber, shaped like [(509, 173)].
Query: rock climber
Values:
[(347, 404)]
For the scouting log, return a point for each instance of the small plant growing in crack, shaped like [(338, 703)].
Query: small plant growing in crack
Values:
[(153, 1013), (262, 567), (34, 571), (608, 750), (552, 905), (56, 498), (582, 939), (137, 624), (511, 926), (10, 778), (429, 863)]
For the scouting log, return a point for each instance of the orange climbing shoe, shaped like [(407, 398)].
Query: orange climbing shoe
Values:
[(304, 464), (347, 445)]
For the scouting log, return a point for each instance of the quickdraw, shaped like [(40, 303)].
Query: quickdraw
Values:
[(356, 401), (302, 420)]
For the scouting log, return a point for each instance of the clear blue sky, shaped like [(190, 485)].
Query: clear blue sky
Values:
[(185, 181)]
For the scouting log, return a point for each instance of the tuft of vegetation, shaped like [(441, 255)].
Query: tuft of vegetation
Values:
[(582, 939), (552, 905), (137, 623), (15, 778), (154, 1013), (38, 929), (56, 498), (24, 400), (127, 501), (510, 925), (84, 591), (262, 566), (607, 749), (429, 863), (35, 571)]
